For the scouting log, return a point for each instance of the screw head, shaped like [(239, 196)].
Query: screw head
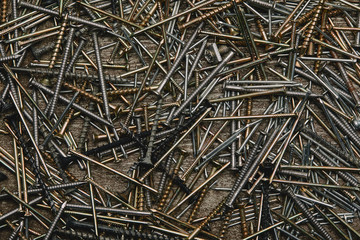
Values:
[(356, 123)]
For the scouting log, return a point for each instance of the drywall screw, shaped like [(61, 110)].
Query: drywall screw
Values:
[(346, 128), (349, 84), (33, 165), (327, 146), (166, 167), (50, 188), (198, 202), (76, 54), (9, 58), (310, 29), (29, 134), (147, 160), (129, 91), (38, 51), (81, 235), (17, 232), (54, 222)]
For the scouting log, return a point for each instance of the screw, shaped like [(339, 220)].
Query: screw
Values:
[(177, 61), (208, 218), (60, 78), (54, 222), (168, 187), (308, 214), (58, 43), (112, 170), (76, 106), (54, 13), (101, 75), (203, 83)]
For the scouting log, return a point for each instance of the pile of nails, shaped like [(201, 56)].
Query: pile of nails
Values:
[(158, 119)]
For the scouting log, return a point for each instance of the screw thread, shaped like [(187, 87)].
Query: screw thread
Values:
[(328, 162), (308, 214), (225, 224), (244, 228), (58, 42), (130, 233), (85, 128), (3, 10), (198, 203), (246, 167), (310, 30), (30, 158), (346, 128)]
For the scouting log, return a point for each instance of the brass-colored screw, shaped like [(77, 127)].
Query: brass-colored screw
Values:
[(198, 203), (207, 219), (58, 41), (244, 227), (168, 187), (3, 11), (88, 95), (209, 14), (310, 29), (225, 224), (141, 200)]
